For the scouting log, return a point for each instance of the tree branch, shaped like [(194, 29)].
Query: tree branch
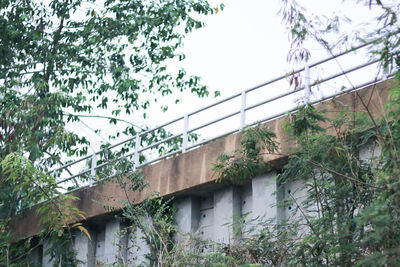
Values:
[(343, 175), (103, 117)]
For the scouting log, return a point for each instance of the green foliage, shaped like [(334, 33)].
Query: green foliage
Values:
[(350, 212), (305, 121), (246, 162), (60, 249), (153, 216), (30, 187), (349, 215), (58, 64), (61, 60)]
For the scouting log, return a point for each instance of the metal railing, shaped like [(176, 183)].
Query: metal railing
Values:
[(183, 136)]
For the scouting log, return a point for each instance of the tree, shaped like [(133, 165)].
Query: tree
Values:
[(350, 216), (60, 60), (384, 31), (357, 216), (351, 211)]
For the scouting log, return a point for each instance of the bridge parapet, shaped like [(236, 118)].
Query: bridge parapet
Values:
[(191, 172), (204, 206), (311, 84)]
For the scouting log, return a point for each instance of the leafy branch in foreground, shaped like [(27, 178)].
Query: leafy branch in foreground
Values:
[(63, 60), (34, 189), (246, 162), (349, 210)]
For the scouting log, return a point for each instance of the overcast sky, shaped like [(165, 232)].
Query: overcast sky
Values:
[(242, 46)]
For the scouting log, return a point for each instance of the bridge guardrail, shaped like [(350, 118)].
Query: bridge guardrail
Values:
[(295, 79)]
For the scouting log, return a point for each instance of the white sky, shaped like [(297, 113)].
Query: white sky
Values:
[(246, 44), (241, 46)]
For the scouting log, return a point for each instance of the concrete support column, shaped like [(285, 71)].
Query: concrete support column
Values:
[(35, 256), (370, 152), (85, 249), (137, 248), (206, 221), (280, 198), (296, 191), (246, 202), (226, 208), (112, 237), (263, 198), (187, 216), (46, 259)]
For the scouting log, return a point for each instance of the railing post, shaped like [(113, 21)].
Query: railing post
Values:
[(243, 111), (185, 133), (307, 85), (136, 156), (93, 168)]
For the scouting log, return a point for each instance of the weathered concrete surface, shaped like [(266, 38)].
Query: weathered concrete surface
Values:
[(35, 256), (264, 199), (187, 215), (85, 248), (226, 210), (194, 168), (138, 247), (246, 209), (206, 222), (46, 259), (112, 240)]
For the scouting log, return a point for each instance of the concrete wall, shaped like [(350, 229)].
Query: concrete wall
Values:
[(46, 259), (35, 255), (205, 208), (173, 177), (208, 214)]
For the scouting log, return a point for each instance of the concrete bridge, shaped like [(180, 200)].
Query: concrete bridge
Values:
[(204, 207)]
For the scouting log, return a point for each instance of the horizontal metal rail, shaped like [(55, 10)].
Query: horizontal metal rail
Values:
[(269, 118), (214, 138), (214, 121), (162, 157), (215, 104), (160, 142), (313, 84), (344, 72), (74, 176), (273, 99), (242, 112), (310, 66), (322, 99), (70, 164)]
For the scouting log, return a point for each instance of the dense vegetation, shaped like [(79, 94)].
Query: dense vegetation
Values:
[(54, 67), (347, 214), (60, 60), (350, 214)]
